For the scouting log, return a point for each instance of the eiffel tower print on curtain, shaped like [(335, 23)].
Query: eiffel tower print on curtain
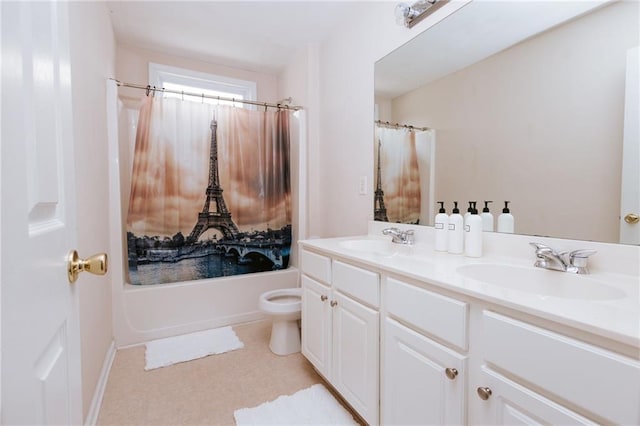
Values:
[(379, 210), (220, 217)]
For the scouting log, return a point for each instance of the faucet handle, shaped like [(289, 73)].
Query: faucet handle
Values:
[(541, 249), (580, 256), (538, 246), (578, 260), (408, 236)]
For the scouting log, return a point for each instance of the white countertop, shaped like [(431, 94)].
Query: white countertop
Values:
[(617, 318)]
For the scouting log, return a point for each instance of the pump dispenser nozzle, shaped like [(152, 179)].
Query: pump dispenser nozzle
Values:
[(442, 210), (455, 207), (474, 210), (505, 220), (487, 218)]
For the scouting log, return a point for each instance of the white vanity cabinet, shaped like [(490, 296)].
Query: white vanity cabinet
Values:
[(560, 373), (447, 357), (458, 361), (340, 328), (423, 381)]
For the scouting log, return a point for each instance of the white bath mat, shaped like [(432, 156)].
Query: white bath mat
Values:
[(311, 406), (164, 352)]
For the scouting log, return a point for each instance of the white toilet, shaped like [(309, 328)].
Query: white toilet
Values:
[(283, 306)]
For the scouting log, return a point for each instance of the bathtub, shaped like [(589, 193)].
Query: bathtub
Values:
[(144, 313)]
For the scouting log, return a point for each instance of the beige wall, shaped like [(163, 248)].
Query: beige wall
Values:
[(539, 124), (92, 62), (299, 81)]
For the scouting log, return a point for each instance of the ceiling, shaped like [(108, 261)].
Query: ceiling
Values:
[(252, 35)]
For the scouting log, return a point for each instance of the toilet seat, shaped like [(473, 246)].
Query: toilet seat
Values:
[(281, 301)]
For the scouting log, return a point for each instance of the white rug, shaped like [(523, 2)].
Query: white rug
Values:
[(311, 406), (164, 352)]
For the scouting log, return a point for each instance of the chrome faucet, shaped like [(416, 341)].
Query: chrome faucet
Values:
[(548, 258), (398, 236)]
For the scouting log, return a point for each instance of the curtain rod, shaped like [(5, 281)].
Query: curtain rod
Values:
[(397, 126), (155, 89)]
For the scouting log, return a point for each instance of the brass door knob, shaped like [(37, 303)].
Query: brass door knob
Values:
[(484, 393), (632, 218), (451, 373), (96, 264), (334, 302), (323, 297)]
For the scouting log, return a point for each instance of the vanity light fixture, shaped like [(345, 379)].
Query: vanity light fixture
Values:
[(410, 15)]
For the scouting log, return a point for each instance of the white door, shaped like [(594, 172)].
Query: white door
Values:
[(40, 340), (503, 402), (630, 196), (424, 382), (316, 325), (355, 355)]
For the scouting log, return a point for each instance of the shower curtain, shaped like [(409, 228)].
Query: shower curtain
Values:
[(210, 192), (399, 190)]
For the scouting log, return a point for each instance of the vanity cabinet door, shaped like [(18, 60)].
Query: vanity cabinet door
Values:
[(356, 354), (504, 402), (316, 325), (423, 381)]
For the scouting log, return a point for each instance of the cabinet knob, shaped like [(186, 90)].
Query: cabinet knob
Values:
[(484, 393), (323, 297), (451, 373), (334, 303)]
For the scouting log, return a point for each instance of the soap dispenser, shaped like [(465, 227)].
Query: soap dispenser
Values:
[(505, 220), (456, 231), (487, 218), (441, 225), (473, 234)]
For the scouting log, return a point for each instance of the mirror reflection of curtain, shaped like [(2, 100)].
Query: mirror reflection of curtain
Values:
[(246, 218), (399, 174), (425, 148)]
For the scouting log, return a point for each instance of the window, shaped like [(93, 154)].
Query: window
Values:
[(180, 79)]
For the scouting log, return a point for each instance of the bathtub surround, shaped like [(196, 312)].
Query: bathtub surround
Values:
[(144, 313), (172, 350), (312, 406)]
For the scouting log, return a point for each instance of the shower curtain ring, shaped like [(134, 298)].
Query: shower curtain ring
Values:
[(148, 89), (183, 96), (265, 107), (203, 98)]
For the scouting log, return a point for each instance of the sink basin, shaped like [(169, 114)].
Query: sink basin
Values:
[(369, 245), (541, 281)]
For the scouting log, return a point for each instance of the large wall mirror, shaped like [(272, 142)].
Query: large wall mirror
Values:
[(526, 101)]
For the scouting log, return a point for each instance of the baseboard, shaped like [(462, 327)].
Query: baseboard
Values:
[(98, 394)]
